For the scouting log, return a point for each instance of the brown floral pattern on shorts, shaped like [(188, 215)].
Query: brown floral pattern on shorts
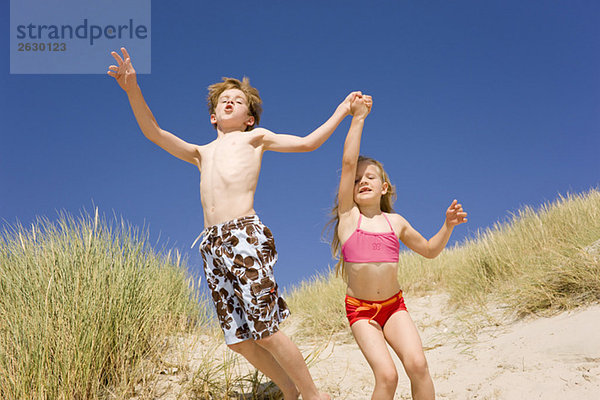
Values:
[(238, 262)]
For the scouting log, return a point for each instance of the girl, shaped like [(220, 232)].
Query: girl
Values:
[(366, 234)]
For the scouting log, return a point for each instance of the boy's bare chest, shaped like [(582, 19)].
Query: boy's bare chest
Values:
[(231, 156), (240, 147)]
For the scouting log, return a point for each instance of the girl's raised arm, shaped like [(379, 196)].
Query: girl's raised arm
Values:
[(360, 108)]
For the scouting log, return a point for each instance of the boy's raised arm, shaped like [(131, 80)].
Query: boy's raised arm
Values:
[(126, 77), (296, 144)]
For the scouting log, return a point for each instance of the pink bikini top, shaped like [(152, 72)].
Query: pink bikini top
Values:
[(367, 247)]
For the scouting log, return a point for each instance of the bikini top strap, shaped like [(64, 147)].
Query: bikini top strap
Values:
[(359, 219), (388, 221)]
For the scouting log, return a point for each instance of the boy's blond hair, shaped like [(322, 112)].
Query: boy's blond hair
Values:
[(252, 97), (386, 204)]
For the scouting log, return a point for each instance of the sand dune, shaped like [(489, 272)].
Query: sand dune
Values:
[(543, 358), (538, 358)]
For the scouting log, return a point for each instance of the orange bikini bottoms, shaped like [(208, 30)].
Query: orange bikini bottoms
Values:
[(378, 311)]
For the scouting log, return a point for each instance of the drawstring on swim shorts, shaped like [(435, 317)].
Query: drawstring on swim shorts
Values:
[(204, 232), (364, 306)]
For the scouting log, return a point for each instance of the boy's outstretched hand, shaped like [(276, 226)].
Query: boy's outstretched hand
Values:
[(345, 105), (361, 106), (124, 72), (455, 214)]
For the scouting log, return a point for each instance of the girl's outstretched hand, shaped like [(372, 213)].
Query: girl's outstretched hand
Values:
[(124, 72), (455, 215)]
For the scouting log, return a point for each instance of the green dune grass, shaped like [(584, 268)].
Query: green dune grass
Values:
[(83, 305)]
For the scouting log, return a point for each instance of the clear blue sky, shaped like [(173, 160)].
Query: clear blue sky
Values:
[(495, 103)]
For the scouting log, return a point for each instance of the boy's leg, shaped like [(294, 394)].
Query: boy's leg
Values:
[(401, 333), (262, 360), (371, 341), (248, 255), (290, 359)]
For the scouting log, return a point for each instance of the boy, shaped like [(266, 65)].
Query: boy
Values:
[(237, 249)]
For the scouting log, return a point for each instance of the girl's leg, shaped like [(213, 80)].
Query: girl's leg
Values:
[(401, 333), (371, 341)]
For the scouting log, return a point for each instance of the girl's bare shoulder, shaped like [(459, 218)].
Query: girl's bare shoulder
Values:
[(398, 222)]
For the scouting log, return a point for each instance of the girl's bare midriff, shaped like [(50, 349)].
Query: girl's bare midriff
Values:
[(372, 281)]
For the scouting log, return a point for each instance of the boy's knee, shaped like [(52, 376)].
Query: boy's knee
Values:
[(268, 341), (242, 347)]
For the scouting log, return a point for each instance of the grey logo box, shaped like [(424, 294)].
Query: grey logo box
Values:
[(76, 37)]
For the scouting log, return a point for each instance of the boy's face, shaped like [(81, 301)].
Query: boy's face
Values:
[(232, 111), (368, 185)]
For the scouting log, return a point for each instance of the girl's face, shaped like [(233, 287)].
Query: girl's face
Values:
[(368, 184)]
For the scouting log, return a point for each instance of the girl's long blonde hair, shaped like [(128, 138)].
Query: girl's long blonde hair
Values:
[(386, 204)]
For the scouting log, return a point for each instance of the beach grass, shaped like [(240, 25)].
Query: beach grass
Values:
[(85, 304), (318, 303), (88, 309), (538, 261)]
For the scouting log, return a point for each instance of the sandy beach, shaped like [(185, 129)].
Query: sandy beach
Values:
[(483, 357), (543, 358)]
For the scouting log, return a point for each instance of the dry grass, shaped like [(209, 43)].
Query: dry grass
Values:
[(225, 377), (84, 305), (536, 262), (318, 304)]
